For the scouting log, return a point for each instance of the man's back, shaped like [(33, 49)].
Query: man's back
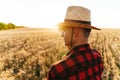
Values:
[(81, 63)]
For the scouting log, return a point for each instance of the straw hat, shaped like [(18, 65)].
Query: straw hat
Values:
[(77, 16)]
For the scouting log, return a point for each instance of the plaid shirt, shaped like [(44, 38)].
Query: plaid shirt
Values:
[(81, 63)]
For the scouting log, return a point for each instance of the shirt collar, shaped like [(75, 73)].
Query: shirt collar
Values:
[(86, 46), (80, 48)]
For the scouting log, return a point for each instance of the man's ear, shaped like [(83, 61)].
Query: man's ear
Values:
[(76, 32)]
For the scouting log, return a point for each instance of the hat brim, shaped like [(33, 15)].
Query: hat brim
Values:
[(75, 25)]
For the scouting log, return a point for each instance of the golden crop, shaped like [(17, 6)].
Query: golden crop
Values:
[(27, 54)]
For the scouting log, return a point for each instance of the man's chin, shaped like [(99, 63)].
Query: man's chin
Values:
[(68, 46)]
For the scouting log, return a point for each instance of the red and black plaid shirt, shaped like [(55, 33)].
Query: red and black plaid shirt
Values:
[(81, 63)]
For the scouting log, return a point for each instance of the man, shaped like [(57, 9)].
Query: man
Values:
[(81, 62)]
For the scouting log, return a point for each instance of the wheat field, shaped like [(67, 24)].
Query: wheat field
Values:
[(28, 53)]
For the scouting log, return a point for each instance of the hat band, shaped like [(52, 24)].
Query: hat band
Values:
[(78, 21)]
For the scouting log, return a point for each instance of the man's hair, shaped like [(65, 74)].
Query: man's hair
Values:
[(86, 32)]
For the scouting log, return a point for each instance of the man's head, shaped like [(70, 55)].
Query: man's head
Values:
[(75, 36), (76, 26)]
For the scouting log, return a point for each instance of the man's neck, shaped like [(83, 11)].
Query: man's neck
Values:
[(79, 43)]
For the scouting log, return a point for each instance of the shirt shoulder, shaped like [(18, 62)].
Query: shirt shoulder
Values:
[(56, 70)]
